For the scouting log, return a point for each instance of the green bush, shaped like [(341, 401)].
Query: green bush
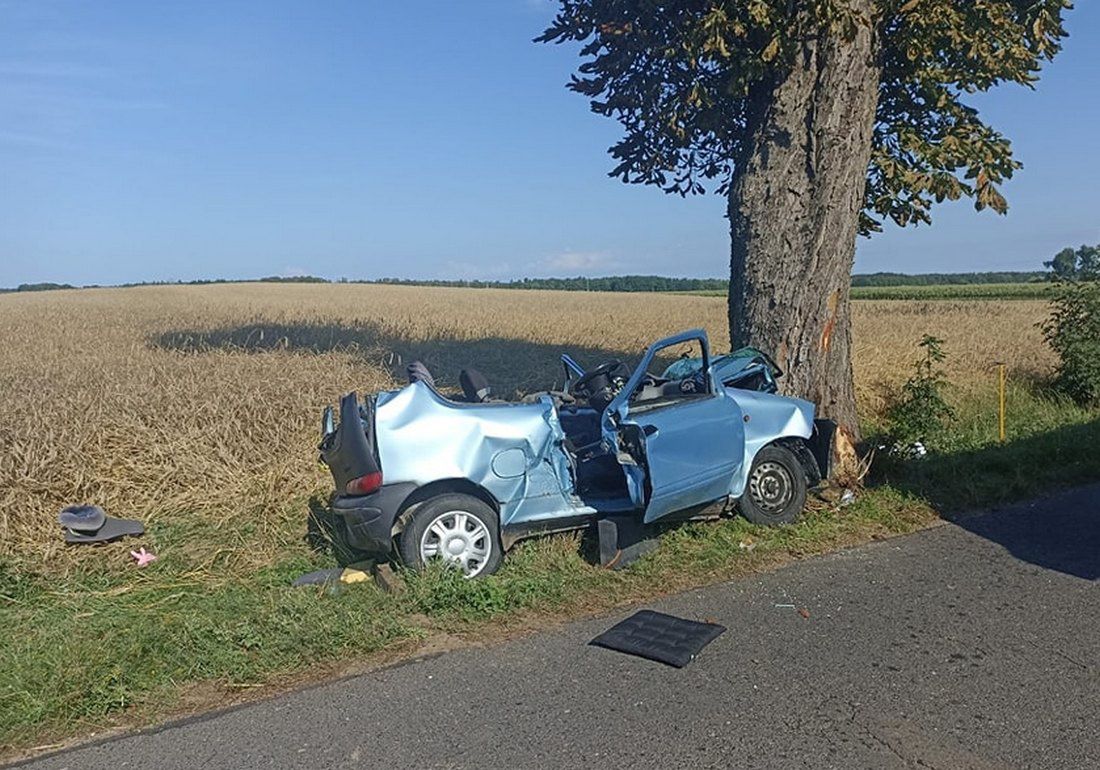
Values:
[(921, 410), (1073, 331)]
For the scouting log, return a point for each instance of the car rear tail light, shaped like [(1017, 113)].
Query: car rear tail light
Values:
[(365, 485)]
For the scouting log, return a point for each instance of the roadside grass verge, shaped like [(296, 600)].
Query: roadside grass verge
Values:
[(109, 645), (1050, 443), (96, 651)]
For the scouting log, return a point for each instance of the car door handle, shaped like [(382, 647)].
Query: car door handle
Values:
[(649, 430)]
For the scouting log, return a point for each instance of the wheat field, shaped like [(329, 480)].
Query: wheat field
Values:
[(196, 409)]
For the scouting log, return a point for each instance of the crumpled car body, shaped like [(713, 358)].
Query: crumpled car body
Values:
[(660, 448)]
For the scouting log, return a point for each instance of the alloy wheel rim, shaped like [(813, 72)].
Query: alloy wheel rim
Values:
[(458, 538), (771, 487)]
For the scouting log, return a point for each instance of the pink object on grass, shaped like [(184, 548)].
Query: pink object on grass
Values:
[(143, 557)]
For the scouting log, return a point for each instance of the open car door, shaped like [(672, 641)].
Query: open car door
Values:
[(678, 448)]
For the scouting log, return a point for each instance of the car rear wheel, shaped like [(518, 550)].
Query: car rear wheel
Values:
[(457, 529), (776, 489)]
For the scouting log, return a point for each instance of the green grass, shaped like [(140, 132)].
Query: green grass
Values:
[(100, 647), (991, 291), (87, 648), (1049, 443), (962, 291)]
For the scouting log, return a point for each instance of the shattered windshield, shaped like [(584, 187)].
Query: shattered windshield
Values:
[(727, 365)]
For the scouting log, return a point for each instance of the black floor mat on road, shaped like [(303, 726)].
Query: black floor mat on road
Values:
[(659, 637)]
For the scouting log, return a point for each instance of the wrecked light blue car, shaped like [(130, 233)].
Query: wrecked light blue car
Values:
[(462, 479)]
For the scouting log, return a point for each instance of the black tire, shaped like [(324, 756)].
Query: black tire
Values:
[(775, 492), (480, 532)]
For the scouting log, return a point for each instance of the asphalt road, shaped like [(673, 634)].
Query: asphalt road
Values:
[(973, 644)]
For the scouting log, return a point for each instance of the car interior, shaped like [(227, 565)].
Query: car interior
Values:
[(598, 475)]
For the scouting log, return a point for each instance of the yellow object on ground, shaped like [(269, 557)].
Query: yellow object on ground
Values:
[(350, 575)]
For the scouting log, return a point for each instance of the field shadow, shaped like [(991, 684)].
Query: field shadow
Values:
[(512, 366), (1060, 531)]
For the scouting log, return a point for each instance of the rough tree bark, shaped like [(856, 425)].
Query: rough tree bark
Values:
[(794, 218)]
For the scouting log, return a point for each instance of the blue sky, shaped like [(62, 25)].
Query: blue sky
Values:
[(178, 140)]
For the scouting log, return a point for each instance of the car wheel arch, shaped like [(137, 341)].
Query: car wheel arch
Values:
[(801, 450), (436, 488)]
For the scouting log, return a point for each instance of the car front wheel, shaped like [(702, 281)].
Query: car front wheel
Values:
[(457, 529), (776, 489)]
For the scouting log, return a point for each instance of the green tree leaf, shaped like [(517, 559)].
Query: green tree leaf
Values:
[(682, 77)]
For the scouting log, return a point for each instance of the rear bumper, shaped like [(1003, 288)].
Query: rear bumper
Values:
[(368, 520)]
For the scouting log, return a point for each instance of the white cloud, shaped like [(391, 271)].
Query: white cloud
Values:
[(465, 270), (580, 261)]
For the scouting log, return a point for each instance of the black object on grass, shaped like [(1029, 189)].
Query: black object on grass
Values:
[(89, 524), (624, 540), (660, 637), (84, 518)]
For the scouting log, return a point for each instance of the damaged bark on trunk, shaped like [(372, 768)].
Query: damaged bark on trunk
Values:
[(794, 211)]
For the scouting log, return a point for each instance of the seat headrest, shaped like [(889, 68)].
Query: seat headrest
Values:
[(474, 385)]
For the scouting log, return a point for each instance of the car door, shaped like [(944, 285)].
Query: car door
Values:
[(691, 444)]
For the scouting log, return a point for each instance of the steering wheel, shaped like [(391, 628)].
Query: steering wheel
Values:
[(602, 370)]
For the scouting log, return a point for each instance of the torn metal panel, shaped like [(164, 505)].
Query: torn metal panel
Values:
[(512, 450)]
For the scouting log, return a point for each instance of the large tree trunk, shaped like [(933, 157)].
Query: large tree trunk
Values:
[(794, 217)]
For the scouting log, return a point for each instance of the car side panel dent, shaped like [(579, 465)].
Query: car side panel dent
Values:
[(423, 437)]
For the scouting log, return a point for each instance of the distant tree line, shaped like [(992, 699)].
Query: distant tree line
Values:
[(1068, 264), (580, 283), (208, 281), (40, 287), (662, 283), (948, 279), (197, 282)]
